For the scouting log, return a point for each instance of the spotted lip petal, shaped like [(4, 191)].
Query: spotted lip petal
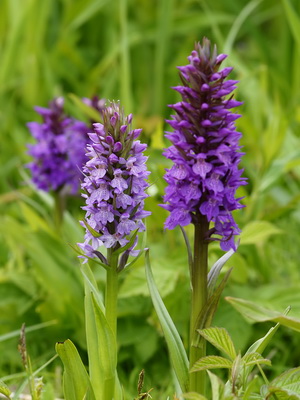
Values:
[(204, 151)]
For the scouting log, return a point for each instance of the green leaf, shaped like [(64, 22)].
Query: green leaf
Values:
[(211, 362), (282, 394), (257, 231), (293, 19), (76, 381), (193, 396), (221, 339), (177, 352), (107, 351), (81, 253), (261, 314), (128, 245), (215, 271), (217, 386), (92, 230), (95, 365), (287, 383), (210, 308), (260, 345), (254, 359), (4, 389), (16, 333)]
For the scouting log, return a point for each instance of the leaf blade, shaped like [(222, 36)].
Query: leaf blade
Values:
[(177, 352), (220, 338)]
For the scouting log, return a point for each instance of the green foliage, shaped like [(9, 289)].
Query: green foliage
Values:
[(129, 50), (177, 352), (76, 382), (240, 383)]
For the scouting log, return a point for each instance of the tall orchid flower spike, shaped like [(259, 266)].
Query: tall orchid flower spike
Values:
[(114, 185), (205, 151), (203, 180), (59, 149)]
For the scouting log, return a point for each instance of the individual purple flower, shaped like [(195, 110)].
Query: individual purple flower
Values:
[(59, 151), (114, 184), (205, 151)]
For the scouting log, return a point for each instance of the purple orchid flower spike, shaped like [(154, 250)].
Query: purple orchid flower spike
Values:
[(205, 151), (59, 149), (114, 185)]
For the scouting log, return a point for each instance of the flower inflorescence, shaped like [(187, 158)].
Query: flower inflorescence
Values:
[(59, 151), (114, 184), (205, 150)]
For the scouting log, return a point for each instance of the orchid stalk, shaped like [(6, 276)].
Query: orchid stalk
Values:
[(114, 187), (205, 175)]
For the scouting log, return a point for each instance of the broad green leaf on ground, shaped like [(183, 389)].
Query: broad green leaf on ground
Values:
[(76, 382), (211, 362), (287, 385), (221, 339), (176, 349), (258, 313), (257, 231)]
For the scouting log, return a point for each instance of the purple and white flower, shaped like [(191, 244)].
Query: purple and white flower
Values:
[(115, 183)]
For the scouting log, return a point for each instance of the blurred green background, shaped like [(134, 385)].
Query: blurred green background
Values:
[(129, 50)]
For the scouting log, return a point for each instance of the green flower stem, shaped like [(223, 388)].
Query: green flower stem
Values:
[(111, 294), (111, 298), (199, 299)]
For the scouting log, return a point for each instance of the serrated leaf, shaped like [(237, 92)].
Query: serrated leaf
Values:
[(257, 231), (76, 381), (211, 362), (215, 271), (282, 394), (176, 349), (193, 396), (220, 338), (260, 314), (4, 390), (255, 358), (287, 383)]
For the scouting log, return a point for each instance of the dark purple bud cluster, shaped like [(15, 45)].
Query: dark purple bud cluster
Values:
[(205, 151), (59, 151), (115, 180)]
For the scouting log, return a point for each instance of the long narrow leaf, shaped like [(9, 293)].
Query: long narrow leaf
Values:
[(215, 271), (107, 350), (177, 352)]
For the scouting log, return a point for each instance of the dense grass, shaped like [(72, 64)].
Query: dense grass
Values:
[(129, 50)]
